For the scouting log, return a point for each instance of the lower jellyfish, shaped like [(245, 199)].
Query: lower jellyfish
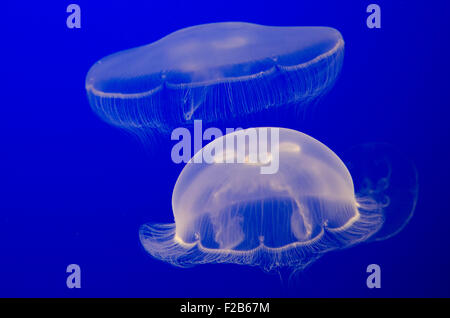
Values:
[(228, 211)]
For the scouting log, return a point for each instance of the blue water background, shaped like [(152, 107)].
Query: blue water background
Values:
[(75, 190)]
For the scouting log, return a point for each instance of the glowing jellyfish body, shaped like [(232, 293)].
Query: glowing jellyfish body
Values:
[(214, 72), (232, 213)]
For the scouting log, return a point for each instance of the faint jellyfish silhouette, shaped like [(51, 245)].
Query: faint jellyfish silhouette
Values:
[(232, 213), (381, 173), (214, 72)]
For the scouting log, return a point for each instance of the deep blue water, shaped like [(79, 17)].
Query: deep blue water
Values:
[(75, 189)]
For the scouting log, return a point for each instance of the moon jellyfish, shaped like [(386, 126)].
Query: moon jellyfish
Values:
[(227, 211), (214, 72)]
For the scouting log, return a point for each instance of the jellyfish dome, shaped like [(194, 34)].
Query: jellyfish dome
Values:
[(214, 72), (227, 211)]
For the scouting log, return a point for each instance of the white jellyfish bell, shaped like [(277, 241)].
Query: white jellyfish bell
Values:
[(214, 72), (227, 211)]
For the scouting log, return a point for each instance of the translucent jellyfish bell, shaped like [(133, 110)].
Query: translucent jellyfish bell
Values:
[(213, 72), (229, 211)]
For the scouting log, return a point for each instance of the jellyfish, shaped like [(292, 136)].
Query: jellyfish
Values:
[(214, 72), (227, 209), (383, 173)]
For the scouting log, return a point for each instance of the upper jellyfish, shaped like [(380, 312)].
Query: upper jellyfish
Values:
[(214, 72)]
